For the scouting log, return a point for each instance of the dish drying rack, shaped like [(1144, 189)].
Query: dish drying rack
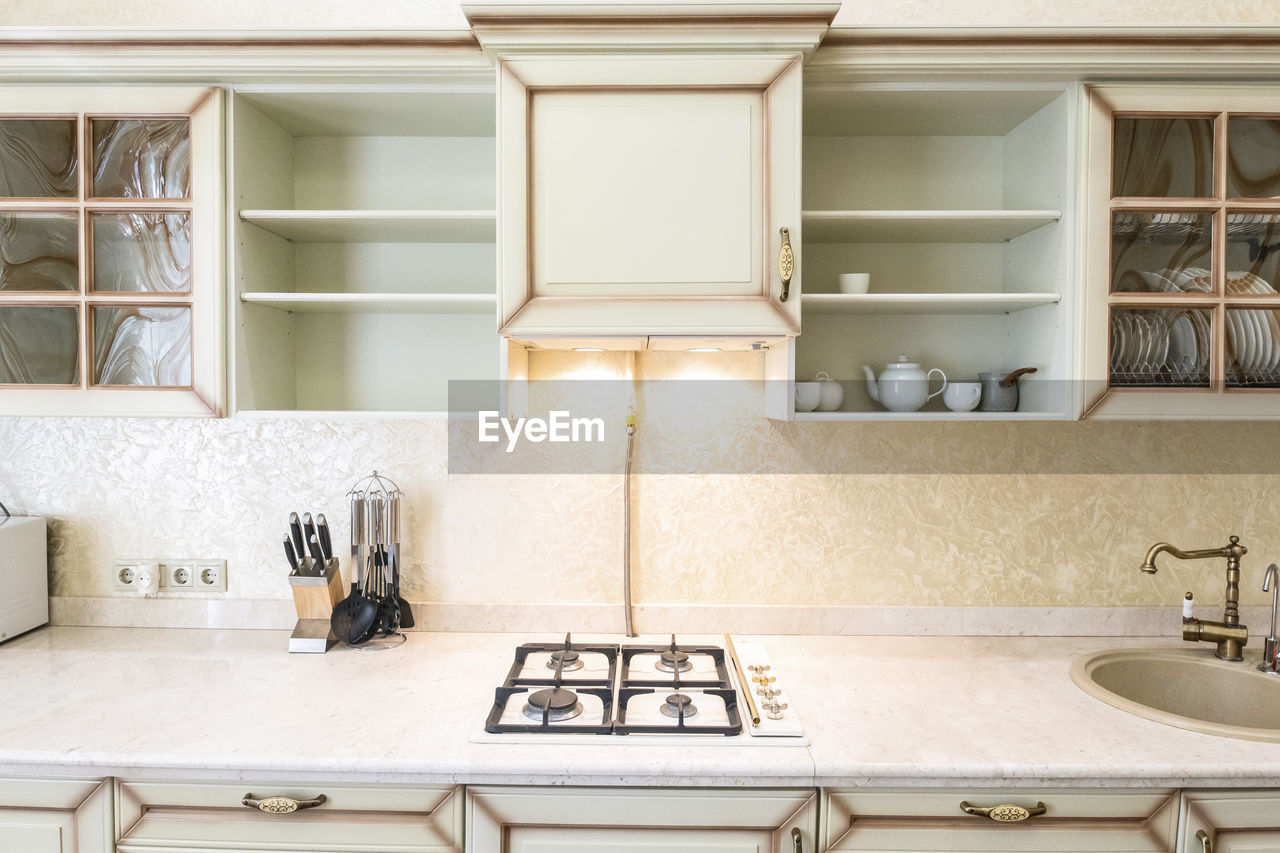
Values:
[(1178, 227)]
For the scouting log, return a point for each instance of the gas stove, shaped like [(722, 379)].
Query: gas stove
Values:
[(559, 692)]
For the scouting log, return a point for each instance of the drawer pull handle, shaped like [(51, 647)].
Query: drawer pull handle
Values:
[(797, 840), (1003, 813), (786, 263), (281, 805), (1205, 844)]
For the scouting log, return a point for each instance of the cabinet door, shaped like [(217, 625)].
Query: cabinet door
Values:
[(652, 209), (1230, 822), (111, 251), (928, 821), (158, 817), (55, 816), (639, 820), (1183, 252)]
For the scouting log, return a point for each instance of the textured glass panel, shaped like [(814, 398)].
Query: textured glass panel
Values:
[(1253, 347), (142, 252), (38, 158), (1167, 347), (1160, 252), (1253, 158), (39, 345), (141, 158), (1253, 253), (1163, 157), (135, 345), (39, 251)]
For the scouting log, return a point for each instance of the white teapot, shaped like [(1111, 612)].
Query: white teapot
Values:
[(903, 386)]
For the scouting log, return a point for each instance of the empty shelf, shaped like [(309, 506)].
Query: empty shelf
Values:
[(378, 226), (922, 226), (378, 303), (924, 303)]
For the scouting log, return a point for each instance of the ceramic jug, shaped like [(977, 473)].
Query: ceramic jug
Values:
[(903, 386)]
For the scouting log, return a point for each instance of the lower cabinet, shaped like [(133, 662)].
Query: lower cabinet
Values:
[(639, 820), (55, 816), (211, 818), (995, 820), (1230, 822)]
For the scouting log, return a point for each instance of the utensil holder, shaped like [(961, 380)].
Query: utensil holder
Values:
[(314, 597)]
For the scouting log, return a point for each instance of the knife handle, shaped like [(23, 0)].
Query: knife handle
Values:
[(316, 554), (289, 552), (295, 529), (326, 544)]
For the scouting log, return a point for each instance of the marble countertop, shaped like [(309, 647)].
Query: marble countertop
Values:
[(165, 703)]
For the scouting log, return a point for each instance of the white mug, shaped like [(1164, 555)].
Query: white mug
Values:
[(808, 395), (962, 396), (831, 394), (854, 282)]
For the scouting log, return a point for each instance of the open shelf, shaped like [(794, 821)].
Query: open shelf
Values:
[(925, 303), (922, 226), (378, 303), (378, 226)]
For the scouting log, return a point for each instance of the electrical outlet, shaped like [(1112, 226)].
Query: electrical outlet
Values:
[(211, 575), (179, 577)]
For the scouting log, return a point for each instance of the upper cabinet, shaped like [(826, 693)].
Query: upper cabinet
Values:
[(649, 167), (1183, 252), (111, 251)]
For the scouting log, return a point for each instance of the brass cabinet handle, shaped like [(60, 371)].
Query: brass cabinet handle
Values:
[(786, 263), (1206, 845), (277, 804), (797, 840), (1003, 813)]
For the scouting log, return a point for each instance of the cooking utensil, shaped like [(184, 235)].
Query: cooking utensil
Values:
[(354, 614), (295, 530), (317, 555), (1000, 390), (326, 544), (308, 528), (406, 612)]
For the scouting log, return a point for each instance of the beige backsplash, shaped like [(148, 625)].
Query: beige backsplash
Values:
[(1049, 526)]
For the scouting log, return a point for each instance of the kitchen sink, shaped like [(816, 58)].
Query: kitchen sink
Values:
[(1188, 688)]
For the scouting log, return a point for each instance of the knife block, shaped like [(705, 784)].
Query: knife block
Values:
[(314, 598)]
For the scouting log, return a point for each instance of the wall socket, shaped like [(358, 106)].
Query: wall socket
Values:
[(175, 575)]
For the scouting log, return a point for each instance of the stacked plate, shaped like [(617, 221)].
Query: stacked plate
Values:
[(1253, 335), (1159, 346)]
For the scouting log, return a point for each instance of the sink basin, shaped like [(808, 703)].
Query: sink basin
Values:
[(1187, 688)]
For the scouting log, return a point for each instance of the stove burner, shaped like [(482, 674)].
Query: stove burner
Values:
[(572, 660), (563, 705), (673, 661), (679, 705)]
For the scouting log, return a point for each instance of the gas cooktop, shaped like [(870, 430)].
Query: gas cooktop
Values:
[(677, 689)]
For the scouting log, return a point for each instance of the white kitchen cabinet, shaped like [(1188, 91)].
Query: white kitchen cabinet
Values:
[(211, 818), (1182, 252), (924, 821), (649, 167), (364, 245), (1230, 822), (639, 820), (111, 250), (957, 199), (55, 816)]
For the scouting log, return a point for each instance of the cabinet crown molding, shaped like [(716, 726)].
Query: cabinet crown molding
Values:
[(507, 27)]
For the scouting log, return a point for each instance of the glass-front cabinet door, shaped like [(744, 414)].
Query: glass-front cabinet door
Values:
[(111, 251), (1183, 252)]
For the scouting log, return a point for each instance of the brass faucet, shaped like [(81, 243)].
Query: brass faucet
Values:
[(1229, 634)]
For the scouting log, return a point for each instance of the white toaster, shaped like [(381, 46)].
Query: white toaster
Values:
[(24, 575)]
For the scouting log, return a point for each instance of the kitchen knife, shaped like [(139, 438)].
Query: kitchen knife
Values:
[(289, 552), (308, 529), (326, 544), (317, 555), (295, 530)]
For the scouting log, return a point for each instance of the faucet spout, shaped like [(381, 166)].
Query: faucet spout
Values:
[(1229, 634)]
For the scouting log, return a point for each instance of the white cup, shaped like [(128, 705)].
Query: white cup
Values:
[(962, 396), (831, 393), (854, 282), (808, 395)]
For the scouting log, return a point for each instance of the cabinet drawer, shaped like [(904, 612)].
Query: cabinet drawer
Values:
[(55, 816), (1141, 821), (158, 816), (1231, 821)]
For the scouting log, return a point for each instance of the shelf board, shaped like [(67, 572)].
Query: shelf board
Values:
[(922, 226), (930, 416), (378, 226), (377, 303), (924, 303)]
